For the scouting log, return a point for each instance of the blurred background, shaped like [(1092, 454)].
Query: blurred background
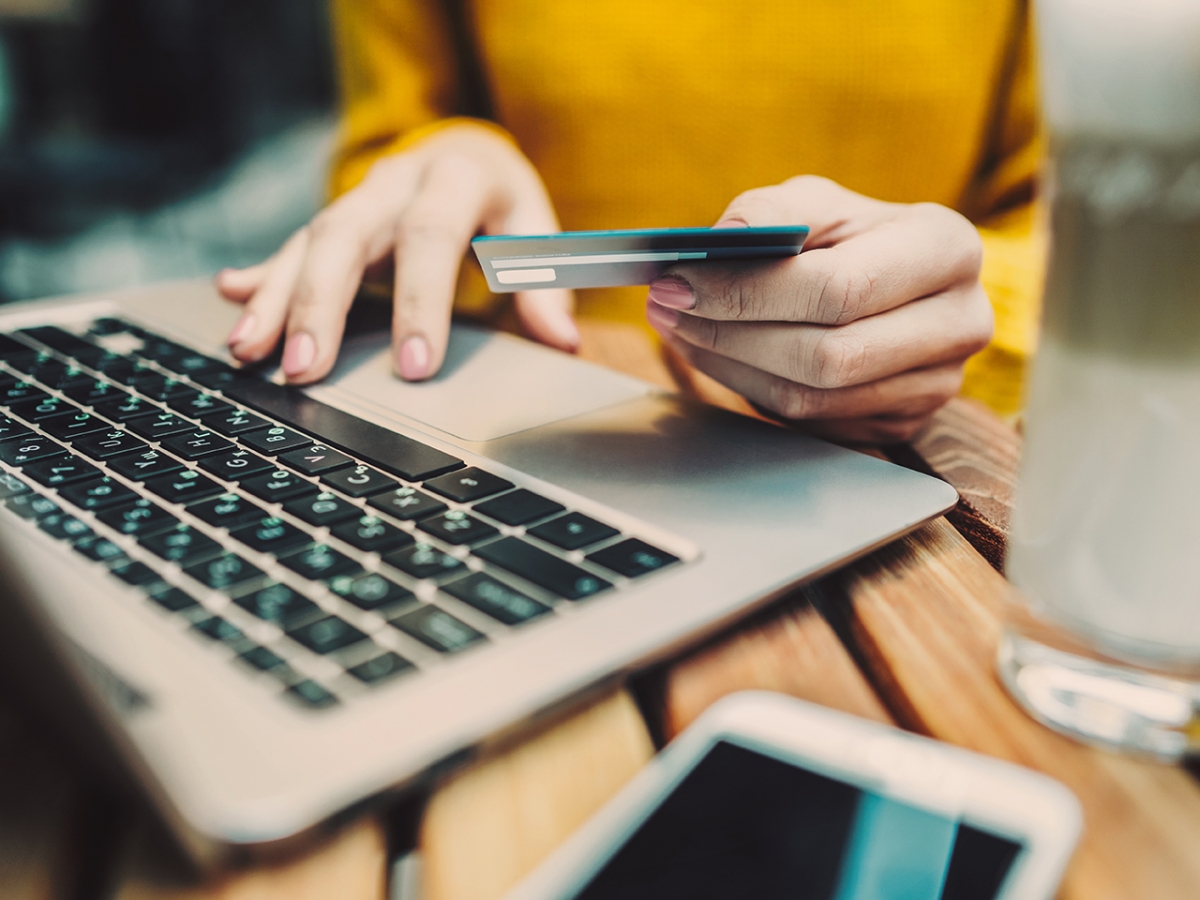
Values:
[(151, 139)]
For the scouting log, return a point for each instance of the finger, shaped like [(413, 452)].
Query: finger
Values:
[(831, 212), (239, 285), (546, 317), (910, 394), (345, 239), (947, 327), (920, 251), (431, 240), (257, 331)]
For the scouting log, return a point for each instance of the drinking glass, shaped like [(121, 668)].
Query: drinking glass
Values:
[(1103, 641)]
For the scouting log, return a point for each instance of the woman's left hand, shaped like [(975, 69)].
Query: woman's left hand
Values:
[(863, 336)]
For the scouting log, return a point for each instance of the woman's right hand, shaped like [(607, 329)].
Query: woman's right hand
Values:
[(421, 208)]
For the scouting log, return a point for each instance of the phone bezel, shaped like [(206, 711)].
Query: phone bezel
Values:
[(989, 794)]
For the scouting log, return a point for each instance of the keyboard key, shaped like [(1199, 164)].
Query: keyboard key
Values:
[(193, 364), (142, 517), (406, 503), (64, 526), (11, 485), (495, 598), (632, 558), (63, 341), (322, 509), (319, 562), (311, 694), (132, 372), (126, 407), (106, 325), (65, 469), (227, 511), (277, 486), (456, 527), (519, 507), (184, 487), (275, 440), (220, 379), (20, 392), (379, 446), (235, 465), (11, 429), (103, 493), (45, 368), (360, 481), (182, 544), (107, 444), (201, 405), (280, 605), (72, 425), (96, 392), (381, 668), (133, 572), (46, 407), (157, 426), (14, 352), (371, 534), (219, 630), (436, 628), (555, 575), (226, 571), (272, 535), (233, 422), (20, 452), (326, 635), (262, 659), (370, 591), (195, 444), (99, 549), (147, 464), (173, 599), (315, 459), (572, 531), (31, 506), (466, 485), (423, 561), (165, 390)]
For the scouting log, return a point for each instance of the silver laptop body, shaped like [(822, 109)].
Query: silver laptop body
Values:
[(703, 515)]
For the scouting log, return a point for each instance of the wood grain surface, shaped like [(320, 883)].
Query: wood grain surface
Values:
[(906, 635)]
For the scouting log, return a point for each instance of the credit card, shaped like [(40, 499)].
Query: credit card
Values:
[(584, 259)]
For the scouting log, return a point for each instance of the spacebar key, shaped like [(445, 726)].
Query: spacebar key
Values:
[(542, 568), (382, 447)]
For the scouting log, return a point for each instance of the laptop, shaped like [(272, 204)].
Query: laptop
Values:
[(266, 607)]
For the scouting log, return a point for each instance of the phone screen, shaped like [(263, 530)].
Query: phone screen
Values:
[(742, 824)]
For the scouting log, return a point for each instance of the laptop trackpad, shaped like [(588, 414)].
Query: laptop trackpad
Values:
[(491, 384)]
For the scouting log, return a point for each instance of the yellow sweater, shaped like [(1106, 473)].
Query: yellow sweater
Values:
[(659, 112)]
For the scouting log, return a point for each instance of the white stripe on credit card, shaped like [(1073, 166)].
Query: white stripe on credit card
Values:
[(525, 276), (593, 260)]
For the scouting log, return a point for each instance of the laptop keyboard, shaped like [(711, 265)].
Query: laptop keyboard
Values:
[(322, 553)]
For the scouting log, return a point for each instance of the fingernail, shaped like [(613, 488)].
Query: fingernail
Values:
[(299, 353), (244, 326), (565, 331), (661, 317), (732, 223), (414, 358), (672, 292)]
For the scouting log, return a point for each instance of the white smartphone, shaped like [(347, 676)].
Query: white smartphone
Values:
[(768, 797)]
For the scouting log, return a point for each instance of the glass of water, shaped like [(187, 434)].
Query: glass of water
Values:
[(1104, 638)]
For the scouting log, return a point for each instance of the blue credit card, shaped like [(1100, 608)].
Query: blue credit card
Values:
[(585, 259)]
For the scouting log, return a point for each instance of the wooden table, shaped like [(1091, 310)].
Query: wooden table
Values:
[(906, 635)]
